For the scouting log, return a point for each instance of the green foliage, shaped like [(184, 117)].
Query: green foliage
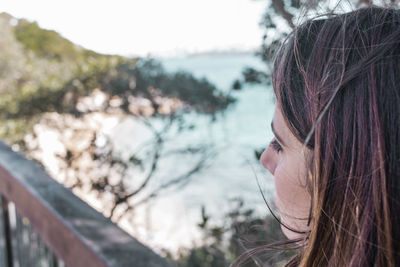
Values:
[(148, 78), (281, 16), (15, 130), (46, 43), (205, 256), (242, 230)]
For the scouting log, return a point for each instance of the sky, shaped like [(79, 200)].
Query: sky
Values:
[(148, 27)]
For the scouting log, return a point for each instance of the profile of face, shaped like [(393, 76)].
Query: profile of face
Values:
[(285, 158)]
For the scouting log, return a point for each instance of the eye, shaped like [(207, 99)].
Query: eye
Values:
[(276, 146)]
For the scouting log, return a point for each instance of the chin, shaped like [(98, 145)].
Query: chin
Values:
[(290, 234)]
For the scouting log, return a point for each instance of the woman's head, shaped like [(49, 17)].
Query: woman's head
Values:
[(285, 158), (337, 84)]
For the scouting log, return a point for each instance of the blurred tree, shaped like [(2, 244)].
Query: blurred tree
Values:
[(50, 85), (89, 162), (281, 16), (12, 61), (149, 79), (240, 233)]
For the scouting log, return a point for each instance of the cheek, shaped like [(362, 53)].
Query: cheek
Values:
[(292, 198)]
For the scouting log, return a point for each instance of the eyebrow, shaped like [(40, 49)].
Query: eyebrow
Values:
[(276, 135)]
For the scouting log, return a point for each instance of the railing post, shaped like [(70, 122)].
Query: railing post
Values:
[(7, 231)]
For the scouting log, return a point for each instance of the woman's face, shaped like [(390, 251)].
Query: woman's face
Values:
[(285, 158)]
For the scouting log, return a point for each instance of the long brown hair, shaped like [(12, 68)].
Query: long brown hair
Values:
[(337, 80)]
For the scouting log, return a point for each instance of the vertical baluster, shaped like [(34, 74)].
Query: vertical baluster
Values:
[(25, 240), (53, 260), (42, 252), (33, 247), (32, 250), (45, 255), (7, 231), (38, 251), (48, 257), (2, 240), (37, 246), (3, 246), (13, 227), (29, 244), (19, 241)]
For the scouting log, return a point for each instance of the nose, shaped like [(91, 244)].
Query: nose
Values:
[(268, 160)]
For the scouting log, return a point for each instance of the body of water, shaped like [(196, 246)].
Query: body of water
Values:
[(170, 220)]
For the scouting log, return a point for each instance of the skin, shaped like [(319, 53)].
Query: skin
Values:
[(286, 161)]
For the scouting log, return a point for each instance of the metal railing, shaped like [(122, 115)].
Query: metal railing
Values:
[(43, 223)]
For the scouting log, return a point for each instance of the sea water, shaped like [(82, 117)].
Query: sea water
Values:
[(170, 220)]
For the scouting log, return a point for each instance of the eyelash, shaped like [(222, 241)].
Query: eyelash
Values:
[(276, 146)]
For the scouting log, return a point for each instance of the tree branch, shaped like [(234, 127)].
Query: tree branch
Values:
[(279, 6)]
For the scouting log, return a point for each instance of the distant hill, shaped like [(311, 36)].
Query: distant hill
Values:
[(45, 43), (33, 56), (229, 52)]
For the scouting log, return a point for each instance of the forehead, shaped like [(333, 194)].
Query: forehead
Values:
[(279, 121)]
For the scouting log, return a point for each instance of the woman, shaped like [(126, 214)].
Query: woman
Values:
[(336, 152)]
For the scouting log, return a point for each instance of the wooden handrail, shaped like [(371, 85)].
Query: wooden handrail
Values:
[(78, 234)]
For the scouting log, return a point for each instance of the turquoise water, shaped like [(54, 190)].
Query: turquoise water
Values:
[(245, 126), (254, 102), (231, 174)]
